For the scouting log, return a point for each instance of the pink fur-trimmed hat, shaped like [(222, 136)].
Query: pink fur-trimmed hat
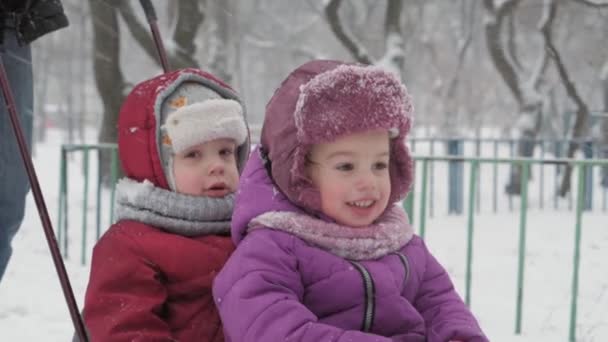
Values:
[(323, 100)]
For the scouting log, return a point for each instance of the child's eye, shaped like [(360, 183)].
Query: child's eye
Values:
[(193, 154), (226, 152), (345, 167), (380, 166)]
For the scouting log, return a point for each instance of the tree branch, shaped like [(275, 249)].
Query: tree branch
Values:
[(394, 55), (138, 30), (493, 33), (582, 112), (183, 35), (592, 4), (189, 19), (393, 16), (511, 43), (357, 51), (462, 49)]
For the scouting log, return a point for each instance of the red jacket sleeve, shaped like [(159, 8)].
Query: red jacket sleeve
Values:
[(125, 295)]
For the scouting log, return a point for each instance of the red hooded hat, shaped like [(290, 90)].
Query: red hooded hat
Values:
[(141, 116)]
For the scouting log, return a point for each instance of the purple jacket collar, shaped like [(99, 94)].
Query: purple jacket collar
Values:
[(257, 195)]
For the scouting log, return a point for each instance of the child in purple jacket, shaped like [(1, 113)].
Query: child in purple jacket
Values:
[(323, 251)]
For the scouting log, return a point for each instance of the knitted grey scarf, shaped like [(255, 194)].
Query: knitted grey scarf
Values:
[(170, 211)]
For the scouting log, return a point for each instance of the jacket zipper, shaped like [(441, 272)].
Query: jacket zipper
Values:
[(406, 266), (368, 283)]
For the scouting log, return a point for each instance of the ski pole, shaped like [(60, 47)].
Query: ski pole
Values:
[(151, 16), (42, 211)]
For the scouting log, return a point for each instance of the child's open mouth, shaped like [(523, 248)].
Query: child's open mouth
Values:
[(362, 208), (361, 204), (217, 190)]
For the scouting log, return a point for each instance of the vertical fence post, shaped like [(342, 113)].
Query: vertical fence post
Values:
[(85, 197), (558, 154), (522, 245), (541, 171), (469, 270), (495, 179), (587, 148), (511, 155), (98, 198), (62, 201), (455, 170), (66, 207), (570, 201), (425, 171), (603, 153), (114, 175), (432, 181), (478, 179), (577, 251)]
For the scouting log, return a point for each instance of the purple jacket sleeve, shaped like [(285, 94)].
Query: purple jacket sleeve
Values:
[(446, 315), (259, 292)]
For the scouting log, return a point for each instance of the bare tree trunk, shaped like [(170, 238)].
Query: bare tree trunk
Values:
[(464, 42), (394, 55), (526, 94), (581, 123), (355, 48), (190, 18), (108, 76), (181, 51), (222, 45), (493, 31)]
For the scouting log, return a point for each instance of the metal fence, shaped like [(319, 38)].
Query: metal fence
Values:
[(495, 148), (423, 187), (474, 163), (63, 201)]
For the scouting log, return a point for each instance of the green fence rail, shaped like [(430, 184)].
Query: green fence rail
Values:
[(63, 213), (474, 163), (423, 180)]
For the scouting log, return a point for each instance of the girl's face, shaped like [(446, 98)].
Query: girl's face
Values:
[(207, 169), (352, 175)]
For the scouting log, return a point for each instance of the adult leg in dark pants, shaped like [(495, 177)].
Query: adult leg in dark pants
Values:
[(14, 183)]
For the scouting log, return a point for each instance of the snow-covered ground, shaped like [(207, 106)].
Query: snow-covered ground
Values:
[(32, 307)]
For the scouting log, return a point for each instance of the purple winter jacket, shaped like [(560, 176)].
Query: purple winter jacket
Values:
[(278, 287)]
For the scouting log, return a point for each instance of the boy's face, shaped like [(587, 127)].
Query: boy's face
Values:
[(207, 169), (352, 175)]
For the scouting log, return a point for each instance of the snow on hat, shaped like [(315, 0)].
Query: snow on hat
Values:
[(323, 100), (194, 114)]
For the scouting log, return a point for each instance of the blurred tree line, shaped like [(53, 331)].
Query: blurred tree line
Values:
[(516, 65)]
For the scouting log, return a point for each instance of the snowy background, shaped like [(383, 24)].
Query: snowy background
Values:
[(441, 49), (32, 307)]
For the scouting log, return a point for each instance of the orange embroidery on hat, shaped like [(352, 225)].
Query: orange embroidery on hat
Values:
[(178, 102), (167, 140)]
